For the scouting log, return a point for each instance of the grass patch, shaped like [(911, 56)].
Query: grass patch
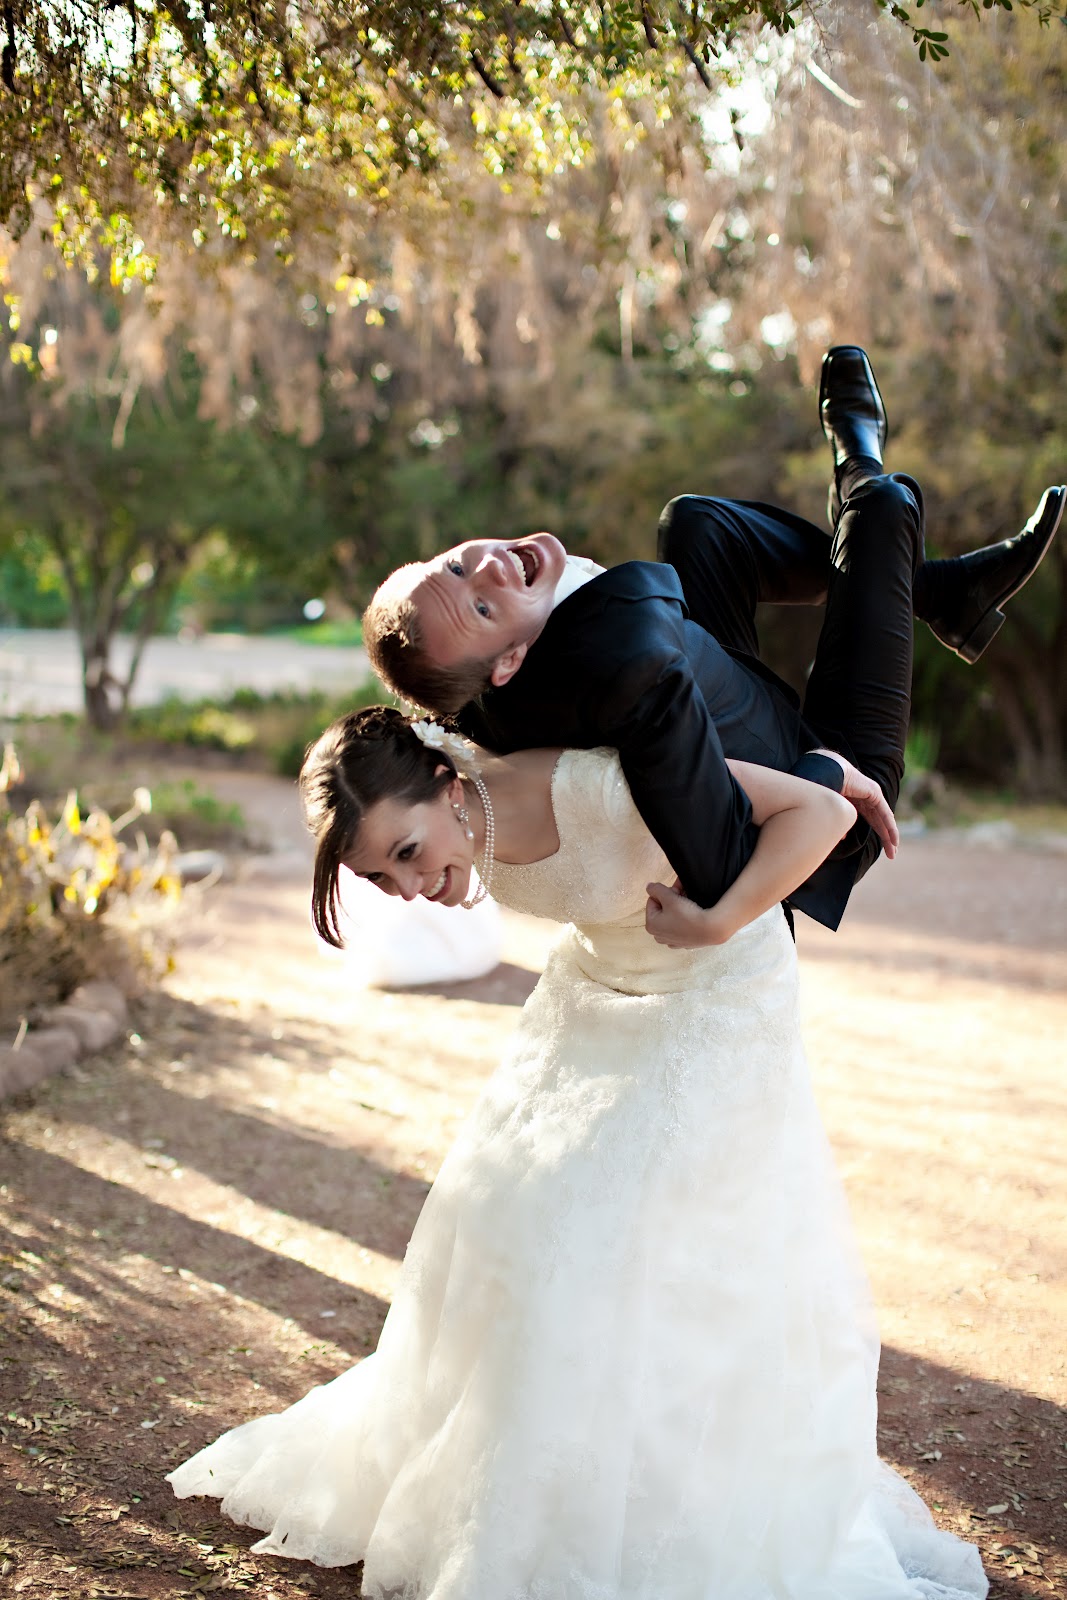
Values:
[(196, 816), (944, 804), (1031, 817), (269, 732), (340, 634), (201, 725), (250, 731), (60, 758)]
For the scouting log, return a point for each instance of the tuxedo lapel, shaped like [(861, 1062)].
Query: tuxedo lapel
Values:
[(580, 618), (631, 580), (575, 622), (542, 702), (540, 698)]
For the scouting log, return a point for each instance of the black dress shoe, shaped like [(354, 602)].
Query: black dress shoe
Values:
[(850, 407), (960, 598)]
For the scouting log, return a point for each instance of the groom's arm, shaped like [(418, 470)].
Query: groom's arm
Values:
[(657, 719)]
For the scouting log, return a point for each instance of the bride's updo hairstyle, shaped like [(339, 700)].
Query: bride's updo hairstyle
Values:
[(361, 758)]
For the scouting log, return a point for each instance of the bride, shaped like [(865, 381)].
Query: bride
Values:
[(631, 1354)]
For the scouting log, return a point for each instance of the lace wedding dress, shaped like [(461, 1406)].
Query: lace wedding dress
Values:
[(631, 1354)]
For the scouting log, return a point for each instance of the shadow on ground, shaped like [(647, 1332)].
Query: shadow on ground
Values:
[(204, 1223)]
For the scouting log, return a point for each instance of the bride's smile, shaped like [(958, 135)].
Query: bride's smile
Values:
[(417, 850)]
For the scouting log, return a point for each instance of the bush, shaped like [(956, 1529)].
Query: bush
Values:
[(199, 724), (271, 730), (306, 719), (76, 902), (197, 816)]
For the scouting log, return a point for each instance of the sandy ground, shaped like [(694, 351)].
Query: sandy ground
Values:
[(210, 1218)]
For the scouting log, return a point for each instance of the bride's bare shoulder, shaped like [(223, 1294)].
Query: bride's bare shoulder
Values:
[(526, 822), (535, 766)]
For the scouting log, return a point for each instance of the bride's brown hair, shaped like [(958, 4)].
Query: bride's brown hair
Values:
[(364, 757)]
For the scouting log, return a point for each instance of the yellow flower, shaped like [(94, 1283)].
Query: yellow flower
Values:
[(71, 818), (11, 770)]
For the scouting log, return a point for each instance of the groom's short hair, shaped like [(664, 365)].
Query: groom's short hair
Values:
[(394, 640)]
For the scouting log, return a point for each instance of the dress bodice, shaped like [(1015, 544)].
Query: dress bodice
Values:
[(597, 881), (606, 854)]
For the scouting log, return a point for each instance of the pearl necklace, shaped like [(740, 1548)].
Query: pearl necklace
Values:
[(485, 871)]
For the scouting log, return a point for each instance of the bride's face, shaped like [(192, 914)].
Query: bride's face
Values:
[(409, 850)]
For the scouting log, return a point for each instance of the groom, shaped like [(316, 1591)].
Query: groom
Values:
[(529, 646)]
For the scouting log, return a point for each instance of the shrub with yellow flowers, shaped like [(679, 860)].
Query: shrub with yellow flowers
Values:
[(80, 897)]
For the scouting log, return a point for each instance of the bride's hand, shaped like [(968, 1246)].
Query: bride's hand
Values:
[(679, 923), (869, 801)]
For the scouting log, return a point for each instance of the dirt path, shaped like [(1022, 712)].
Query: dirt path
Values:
[(41, 673), (209, 1219)]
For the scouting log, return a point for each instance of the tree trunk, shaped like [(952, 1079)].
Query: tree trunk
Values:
[(107, 696), (154, 604), (104, 700)]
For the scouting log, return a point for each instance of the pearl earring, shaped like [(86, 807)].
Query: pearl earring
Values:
[(463, 816)]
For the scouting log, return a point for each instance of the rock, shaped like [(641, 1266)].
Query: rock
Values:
[(193, 866), (281, 866), (94, 1028), (92, 1019), (99, 995), (999, 835), (20, 1069), (57, 1047)]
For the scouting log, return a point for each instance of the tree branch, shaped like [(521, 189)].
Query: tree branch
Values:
[(152, 597), (7, 60), (566, 29), (483, 72), (702, 71), (58, 540)]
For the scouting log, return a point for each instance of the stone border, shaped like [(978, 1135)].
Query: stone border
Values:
[(94, 1017)]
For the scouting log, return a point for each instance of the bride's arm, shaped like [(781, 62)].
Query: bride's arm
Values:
[(799, 825)]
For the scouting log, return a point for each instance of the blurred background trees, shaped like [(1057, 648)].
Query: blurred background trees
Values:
[(236, 111), (260, 383)]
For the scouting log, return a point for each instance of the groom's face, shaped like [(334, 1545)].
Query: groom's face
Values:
[(488, 599)]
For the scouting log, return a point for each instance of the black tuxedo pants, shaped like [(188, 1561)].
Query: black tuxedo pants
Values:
[(732, 554)]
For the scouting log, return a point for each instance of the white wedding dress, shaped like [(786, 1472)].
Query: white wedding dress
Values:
[(631, 1354), (392, 943)]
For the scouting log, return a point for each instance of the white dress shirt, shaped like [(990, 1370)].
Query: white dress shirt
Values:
[(579, 570)]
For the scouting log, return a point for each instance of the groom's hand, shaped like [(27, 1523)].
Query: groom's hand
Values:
[(869, 801)]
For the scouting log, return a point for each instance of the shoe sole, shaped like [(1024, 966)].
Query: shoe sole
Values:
[(854, 349), (978, 640), (980, 637)]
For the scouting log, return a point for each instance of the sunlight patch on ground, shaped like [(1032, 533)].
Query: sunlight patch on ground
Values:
[(160, 1179)]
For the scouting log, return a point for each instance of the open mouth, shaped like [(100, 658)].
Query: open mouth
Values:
[(439, 888), (527, 562)]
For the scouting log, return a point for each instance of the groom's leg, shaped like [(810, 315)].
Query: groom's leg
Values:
[(732, 554), (858, 697)]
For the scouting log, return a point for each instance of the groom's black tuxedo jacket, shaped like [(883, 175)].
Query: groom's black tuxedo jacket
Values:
[(620, 663)]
